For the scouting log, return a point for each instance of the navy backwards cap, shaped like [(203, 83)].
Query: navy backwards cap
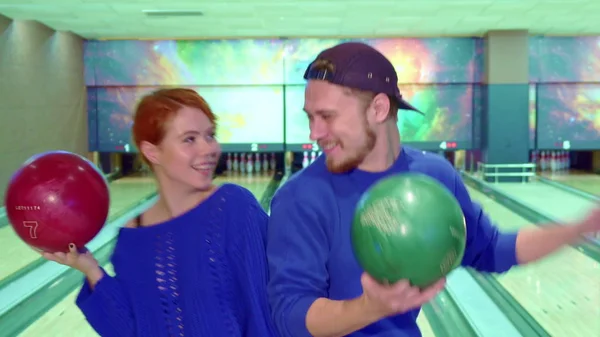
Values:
[(359, 66)]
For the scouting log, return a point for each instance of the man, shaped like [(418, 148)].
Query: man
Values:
[(316, 286)]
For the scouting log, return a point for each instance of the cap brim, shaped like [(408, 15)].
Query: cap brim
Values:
[(404, 105)]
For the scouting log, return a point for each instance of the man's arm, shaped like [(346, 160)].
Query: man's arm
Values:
[(536, 243), (298, 250), (490, 250)]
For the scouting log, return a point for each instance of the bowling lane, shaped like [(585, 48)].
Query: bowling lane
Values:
[(549, 200), (424, 325), (65, 319), (589, 183), (560, 292), (124, 192)]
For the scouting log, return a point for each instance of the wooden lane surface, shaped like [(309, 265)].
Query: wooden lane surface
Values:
[(589, 183), (561, 292)]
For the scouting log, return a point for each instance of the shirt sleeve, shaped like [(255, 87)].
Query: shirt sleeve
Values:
[(106, 307), (297, 250), (487, 249), (250, 261)]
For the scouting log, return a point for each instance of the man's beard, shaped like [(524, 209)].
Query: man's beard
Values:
[(352, 160)]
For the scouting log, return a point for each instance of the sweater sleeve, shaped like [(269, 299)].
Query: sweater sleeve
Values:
[(297, 250), (488, 249), (106, 307), (249, 258)]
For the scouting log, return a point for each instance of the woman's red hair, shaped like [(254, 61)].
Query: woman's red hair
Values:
[(156, 110)]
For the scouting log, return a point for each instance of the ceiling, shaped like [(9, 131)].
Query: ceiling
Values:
[(125, 19)]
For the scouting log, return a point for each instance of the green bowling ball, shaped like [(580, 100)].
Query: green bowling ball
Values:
[(408, 226)]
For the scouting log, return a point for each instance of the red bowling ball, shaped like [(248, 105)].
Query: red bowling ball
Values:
[(57, 198)]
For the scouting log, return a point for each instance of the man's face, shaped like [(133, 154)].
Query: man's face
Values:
[(338, 123)]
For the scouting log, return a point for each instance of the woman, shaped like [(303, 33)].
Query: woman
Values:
[(194, 263)]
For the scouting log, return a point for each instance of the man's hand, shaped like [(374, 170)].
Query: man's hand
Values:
[(387, 300)]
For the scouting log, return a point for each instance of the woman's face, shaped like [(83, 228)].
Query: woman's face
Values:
[(189, 152)]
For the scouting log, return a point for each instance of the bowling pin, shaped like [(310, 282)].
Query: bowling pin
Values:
[(305, 161), (313, 156), (250, 164), (272, 163), (559, 161), (543, 161), (229, 162), (265, 163), (257, 163), (236, 162)]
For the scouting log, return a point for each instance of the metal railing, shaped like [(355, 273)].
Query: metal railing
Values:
[(526, 171)]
